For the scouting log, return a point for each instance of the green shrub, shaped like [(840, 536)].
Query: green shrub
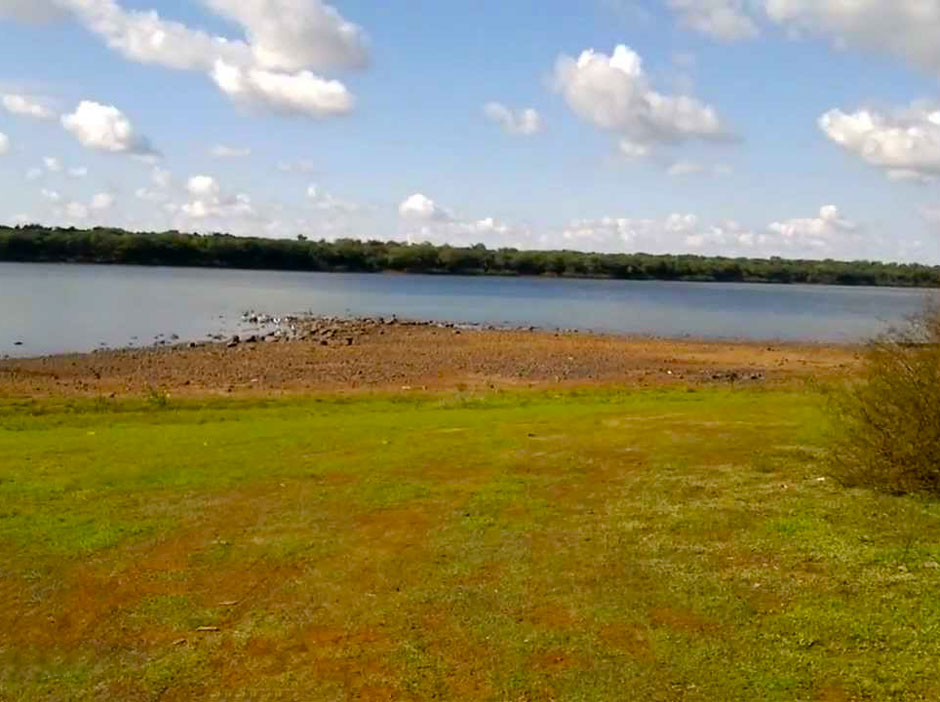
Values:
[(887, 424)]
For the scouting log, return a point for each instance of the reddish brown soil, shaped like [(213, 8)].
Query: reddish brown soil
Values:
[(396, 357)]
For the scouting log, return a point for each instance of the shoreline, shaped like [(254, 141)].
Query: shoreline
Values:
[(316, 355), (497, 275)]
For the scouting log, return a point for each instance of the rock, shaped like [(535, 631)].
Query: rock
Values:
[(233, 342)]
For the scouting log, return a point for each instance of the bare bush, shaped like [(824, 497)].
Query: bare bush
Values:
[(887, 425)]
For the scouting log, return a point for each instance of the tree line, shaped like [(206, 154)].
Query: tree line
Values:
[(34, 243)]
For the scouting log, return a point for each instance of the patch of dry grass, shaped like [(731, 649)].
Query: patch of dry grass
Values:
[(580, 546)]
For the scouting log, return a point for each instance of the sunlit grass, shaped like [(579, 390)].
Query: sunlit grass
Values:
[(600, 545)]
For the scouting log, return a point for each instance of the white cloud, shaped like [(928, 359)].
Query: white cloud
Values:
[(76, 210), (160, 181), (300, 93), (285, 38), (30, 10), (828, 234), (4, 144), (905, 28), (52, 164), (487, 230), (294, 34), (681, 169), (726, 20), (614, 93), (524, 122), (420, 207), (815, 232), (34, 173), (50, 195), (325, 202), (105, 128), (78, 172), (102, 201), (295, 166), (219, 208), (145, 37), (209, 200), (26, 106), (627, 233), (203, 186), (632, 150), (906, 144), (223, 151), (161, 178)]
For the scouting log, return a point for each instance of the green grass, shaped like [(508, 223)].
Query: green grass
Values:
[(598, 545)]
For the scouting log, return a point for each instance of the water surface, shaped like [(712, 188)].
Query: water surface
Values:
[(57, 308)]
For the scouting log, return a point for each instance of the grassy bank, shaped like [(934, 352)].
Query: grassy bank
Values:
[(654, 545)]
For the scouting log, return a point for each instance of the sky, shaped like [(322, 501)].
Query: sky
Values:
[(795, 128)]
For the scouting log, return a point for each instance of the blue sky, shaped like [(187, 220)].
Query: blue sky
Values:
[(739, 127)]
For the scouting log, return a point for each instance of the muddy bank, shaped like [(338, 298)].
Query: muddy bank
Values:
[(298, 355)]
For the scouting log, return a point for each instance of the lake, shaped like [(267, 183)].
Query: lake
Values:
[(56, 308)]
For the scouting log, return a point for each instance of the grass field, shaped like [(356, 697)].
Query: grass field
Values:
[(604, 545)]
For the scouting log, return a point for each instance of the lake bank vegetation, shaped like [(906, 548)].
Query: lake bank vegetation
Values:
[(37, 244), (888, 425)]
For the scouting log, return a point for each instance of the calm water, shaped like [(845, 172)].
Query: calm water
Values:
[(63, 308)]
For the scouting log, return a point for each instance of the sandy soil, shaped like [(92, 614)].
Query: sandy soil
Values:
[(367, 355)]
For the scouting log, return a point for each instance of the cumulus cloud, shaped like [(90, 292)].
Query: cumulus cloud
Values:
[(326, 202), (202, 186), (426, 221), (619, 234), (285, 39), (294, 34), (209, 200), (76, 211), (158, 190), (77, 172), (145, 37), (52, 164), (223, 151), (105, 128), (26, 106), (906, 143), (726, 20), (50, 195), (238, 207), (161, 177), (102, 201), (4, 144), (300, 93), (814, 237), (524, 122), (905, 28), (614, 93), (815, 232), (421, 207)]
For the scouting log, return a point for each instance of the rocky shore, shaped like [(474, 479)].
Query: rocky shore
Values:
[(316, 354)]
